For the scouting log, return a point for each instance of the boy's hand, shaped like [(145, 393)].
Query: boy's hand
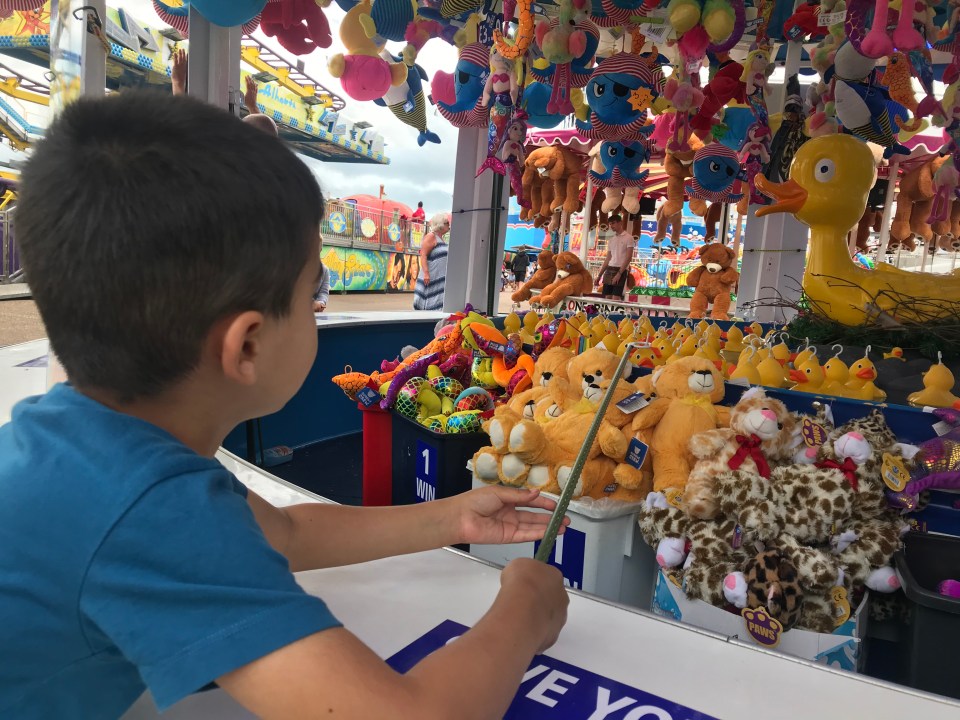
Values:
[(178, 74), (250, 96), (491, 515), (526, 579)]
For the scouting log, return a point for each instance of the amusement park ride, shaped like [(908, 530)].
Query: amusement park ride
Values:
[(308, 115)]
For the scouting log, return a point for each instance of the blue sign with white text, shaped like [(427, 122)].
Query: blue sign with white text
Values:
[(552, 689), (567, 555), (426, 478)]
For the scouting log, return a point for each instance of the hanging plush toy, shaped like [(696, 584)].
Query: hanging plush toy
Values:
[(789, 136), (714, 25), (617, 167), (716, 175), (299, 25), (754, 155), (407, 102), (725, 86), (524, 34), (176, 17), (458, 94), (580, 67), (619, 93), (561, 43), (898, 77), (511, 156), (502, 88), (388, 20), (878, 42), (363, 74)]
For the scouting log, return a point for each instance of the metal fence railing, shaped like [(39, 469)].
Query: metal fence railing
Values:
[(356, 225), (10, 270)]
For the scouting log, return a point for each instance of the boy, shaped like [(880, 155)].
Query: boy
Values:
[(616, 265), (177, 294)]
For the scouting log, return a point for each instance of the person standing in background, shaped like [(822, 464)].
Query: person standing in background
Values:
[(519, 265), (419, 215), (616, 265), (433, 265), (322, 296)]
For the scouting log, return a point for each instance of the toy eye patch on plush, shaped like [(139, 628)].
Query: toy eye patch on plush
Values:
[(621, 164)]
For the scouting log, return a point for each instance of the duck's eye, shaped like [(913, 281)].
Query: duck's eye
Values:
[(824, 171)]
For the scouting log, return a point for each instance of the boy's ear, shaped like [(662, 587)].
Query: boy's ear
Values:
[(240, 346)]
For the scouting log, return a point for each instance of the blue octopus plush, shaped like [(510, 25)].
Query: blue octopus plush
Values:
[(619, 92)]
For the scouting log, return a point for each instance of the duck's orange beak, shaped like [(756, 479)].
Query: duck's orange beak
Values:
[(798, 376), (790, 196), (867, 374)]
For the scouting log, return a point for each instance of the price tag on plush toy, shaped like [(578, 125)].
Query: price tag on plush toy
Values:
[(828, 19), (743, 382), (894, 472), (674, 497), (762, 628), (368, 396), (841, 605), (942, 428), (636, 453), (813, 433), (632, 403)]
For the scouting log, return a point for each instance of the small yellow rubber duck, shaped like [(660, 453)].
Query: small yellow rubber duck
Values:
[(745, 368), (860, 385), (837, 374), (808, 376), (781, 352), (734, 342), (938, 384), (511, 324), (895, 353), (801, 357), (643, 357), (689, 346), (645, 328), (663, 350), (771, 372)]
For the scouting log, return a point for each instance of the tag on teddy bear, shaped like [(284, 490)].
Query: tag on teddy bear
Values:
[(841, 605), (632, 403), (636, 453), (674, 497), (762, 628), (828, 19), (813, 433), (942, 428), (368, 397), (894, 472)]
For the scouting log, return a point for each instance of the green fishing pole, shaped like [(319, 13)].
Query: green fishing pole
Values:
[(550, 536)]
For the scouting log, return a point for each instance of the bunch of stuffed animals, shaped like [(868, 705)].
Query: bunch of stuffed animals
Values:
[(780, 511)]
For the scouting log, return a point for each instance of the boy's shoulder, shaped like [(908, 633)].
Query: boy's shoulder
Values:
[(65, 449)]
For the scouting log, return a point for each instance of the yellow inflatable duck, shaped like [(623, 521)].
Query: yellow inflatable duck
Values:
[(860, 385), (808, 376), (755, 328), (745, 369), (837, 374), (830, 179), (938, 383), (895, 353)]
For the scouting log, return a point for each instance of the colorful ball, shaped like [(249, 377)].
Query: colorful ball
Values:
[(437, 424), (447, 387), (406, 403), (461, 423), (473, 399)]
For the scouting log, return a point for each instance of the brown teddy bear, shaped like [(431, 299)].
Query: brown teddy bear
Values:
[(685, 404), (914, 201), (546, 273), (562, 166), (539, 190), (761, 433), (572, 279), (555, 445), (713, 281)]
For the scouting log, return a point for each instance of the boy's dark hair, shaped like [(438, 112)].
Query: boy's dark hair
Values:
[(420, 204), (145, 218), (616, 218)]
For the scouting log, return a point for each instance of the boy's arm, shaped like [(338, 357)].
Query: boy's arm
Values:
[(333, 674), (317, 535)]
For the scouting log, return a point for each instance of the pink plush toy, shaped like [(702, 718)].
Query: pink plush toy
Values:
[(363, 74), (298, 25)]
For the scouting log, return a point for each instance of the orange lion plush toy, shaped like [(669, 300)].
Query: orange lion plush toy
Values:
[(546, 273), (713, 281), (572, 279)]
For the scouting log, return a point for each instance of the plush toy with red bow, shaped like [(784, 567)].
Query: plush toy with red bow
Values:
[(760, 435), (298, 25), (813, 502)]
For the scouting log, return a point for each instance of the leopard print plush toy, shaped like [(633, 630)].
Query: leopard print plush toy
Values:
[(770, 581), (760, 434), (810, 501)]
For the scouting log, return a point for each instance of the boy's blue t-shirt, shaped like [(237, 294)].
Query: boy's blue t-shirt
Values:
[(127, 561)]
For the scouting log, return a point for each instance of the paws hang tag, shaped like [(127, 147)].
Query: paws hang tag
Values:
[(942, 428), (632, 403), (674, 497), (813, 433), (763, 629), (894, 472), (841, 605), (636, 454)]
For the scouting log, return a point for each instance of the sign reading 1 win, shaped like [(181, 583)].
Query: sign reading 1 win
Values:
[(555, 690), (426, 478)]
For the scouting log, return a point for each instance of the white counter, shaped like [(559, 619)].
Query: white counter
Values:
[(391, 603), (348, 319)]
